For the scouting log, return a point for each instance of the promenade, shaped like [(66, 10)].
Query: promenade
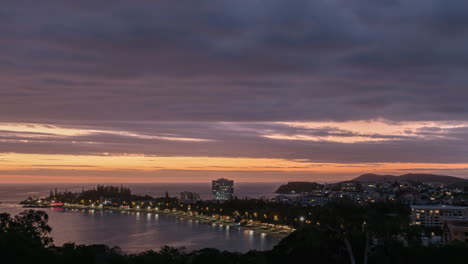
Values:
[(253, 226)]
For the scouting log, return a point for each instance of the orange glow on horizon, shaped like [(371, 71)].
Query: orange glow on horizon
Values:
[(34, 167)]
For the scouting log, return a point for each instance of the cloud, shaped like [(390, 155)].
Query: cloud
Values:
[(344, 81), (327, 142), (41, 131), (242, 61)]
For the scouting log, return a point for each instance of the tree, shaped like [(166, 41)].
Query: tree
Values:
[(318, 244), (386, 225), (24, 237), (28, 225)]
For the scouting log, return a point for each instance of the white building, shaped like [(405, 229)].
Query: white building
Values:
[(434, 215)]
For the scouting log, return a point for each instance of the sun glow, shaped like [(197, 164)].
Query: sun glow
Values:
[(103, 158), (11, 164)]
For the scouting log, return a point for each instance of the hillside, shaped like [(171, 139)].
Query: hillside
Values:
[(299, 187), (409, 177), (303, 187), (430, 178), (370, 177)]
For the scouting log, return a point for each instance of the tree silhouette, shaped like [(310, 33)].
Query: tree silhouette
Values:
[(24, 237)]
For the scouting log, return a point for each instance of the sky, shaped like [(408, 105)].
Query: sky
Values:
[(252, 90)]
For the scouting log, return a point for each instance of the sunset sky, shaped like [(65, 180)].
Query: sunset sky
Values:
[(171, 91)]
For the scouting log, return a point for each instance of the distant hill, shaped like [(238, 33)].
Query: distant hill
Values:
[(409, 177), (303, 187), (370, 177), (299, 187), (430, 178)]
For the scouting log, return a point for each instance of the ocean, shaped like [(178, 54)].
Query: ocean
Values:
[(136, 232)]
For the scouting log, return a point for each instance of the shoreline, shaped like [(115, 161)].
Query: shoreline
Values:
[(257, 227)]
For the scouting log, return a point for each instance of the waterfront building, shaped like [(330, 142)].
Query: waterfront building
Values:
[(223, 189), (189, 197), (435, 215)]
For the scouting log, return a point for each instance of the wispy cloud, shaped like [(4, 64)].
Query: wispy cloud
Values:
[(43, 131), (368, 131)]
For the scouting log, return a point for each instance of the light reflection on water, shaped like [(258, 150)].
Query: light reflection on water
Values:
[(135, 232)]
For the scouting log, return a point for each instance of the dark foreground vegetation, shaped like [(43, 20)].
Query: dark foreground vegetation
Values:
[(343, 233)]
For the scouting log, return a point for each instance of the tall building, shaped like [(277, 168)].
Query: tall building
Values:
[(223, 189), (189, 197)]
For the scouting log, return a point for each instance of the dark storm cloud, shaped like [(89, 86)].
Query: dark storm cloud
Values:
[(233, 60)]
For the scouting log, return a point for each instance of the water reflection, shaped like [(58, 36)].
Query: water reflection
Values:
[(147, 232), (136, 231)]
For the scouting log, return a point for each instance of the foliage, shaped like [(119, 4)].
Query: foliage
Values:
[(25, 236)]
